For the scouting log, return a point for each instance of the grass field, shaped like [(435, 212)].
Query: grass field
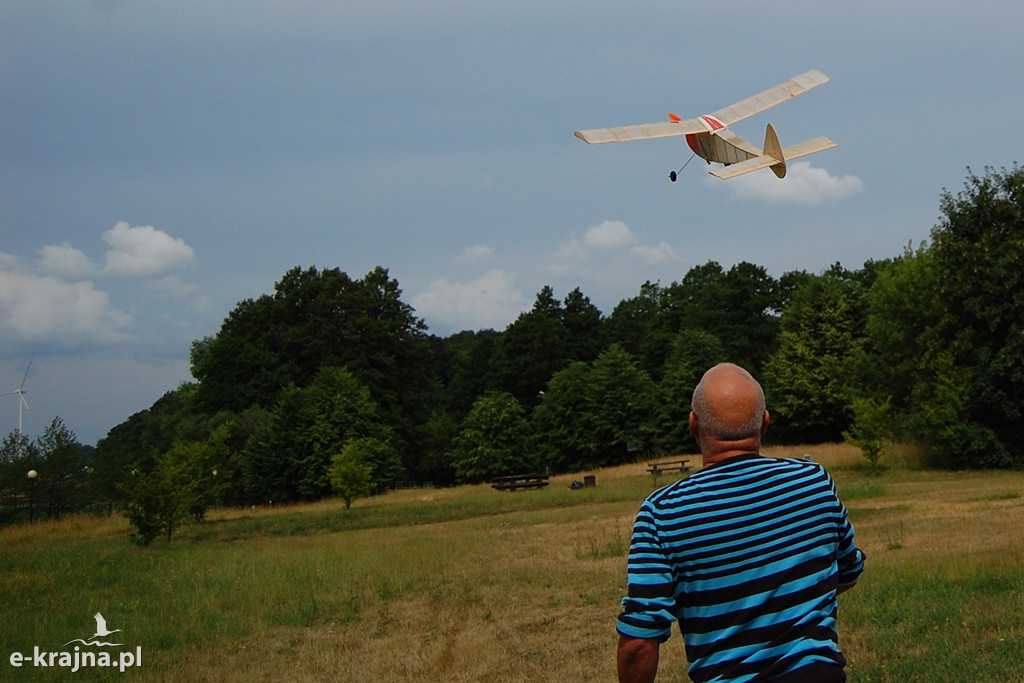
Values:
[(470, 584)]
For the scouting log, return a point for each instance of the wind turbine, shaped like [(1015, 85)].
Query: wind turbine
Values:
[(20, 391)]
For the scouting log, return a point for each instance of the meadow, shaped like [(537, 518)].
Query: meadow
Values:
[(471, 584)]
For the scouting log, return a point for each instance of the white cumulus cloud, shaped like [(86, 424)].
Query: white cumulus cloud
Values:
[(803, 184), (609, 235), (47, 309), (64, 261), (490, 301), (608, 245), (663, 253), (144, 250), (475, 254), (55, 302)]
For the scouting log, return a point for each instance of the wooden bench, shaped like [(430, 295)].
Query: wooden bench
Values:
[(514, 482), (656, 468)]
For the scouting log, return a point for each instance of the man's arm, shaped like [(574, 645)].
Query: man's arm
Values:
[(638, 659)]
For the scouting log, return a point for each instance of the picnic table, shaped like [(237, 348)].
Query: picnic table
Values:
[(680, 465), (514, 482)]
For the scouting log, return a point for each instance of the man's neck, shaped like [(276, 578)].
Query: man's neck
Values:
[(726, 451)]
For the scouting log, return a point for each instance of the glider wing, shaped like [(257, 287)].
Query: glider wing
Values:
[(647, 131), (756, 104)]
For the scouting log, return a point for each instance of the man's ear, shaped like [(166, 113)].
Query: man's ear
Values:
[(693, 424), (765, 421)]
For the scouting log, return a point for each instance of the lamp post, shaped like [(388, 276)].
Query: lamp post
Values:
[(32, 474)]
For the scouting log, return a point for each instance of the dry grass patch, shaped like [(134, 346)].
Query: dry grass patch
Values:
[(472, 584)]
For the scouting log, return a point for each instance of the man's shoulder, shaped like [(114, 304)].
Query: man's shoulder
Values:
[(750, 468)]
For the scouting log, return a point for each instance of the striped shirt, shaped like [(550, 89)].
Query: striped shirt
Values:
[(746, 555)]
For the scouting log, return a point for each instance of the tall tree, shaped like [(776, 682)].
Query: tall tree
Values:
[(739, 306), (583, 325), (469, 371), (643, 328), (808, 380), (903, 314), (317, 319), (135, 444), (595, 415), (289, 456), (532, 348), (978, 246), (18, 456), (62, 470), (693, 352), (492, 440)]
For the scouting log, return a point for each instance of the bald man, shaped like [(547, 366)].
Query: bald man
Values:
[(747, 555)]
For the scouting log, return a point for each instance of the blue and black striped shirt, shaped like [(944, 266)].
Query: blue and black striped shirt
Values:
[(746, 555)]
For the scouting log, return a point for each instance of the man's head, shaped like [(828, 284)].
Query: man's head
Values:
[(728, 409)]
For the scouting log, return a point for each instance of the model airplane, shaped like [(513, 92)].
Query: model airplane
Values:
[(710, 138)]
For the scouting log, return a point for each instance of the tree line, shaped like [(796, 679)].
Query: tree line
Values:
[(332, 383)]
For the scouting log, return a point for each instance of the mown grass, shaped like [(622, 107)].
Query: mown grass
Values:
[(471, 584)]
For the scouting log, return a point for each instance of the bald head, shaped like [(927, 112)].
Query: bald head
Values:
[(728, 404)]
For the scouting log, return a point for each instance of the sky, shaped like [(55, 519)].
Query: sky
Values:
[(161, 162)]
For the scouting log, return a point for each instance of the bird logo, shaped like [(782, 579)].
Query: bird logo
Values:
[(101, 632)]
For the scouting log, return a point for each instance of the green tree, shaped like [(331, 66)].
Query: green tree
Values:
[(134, 444), (595, 415), (532, 348), (562, 427), (643, 328), (739, 306), (350, 474), (470, 368), (809, 378), (493, 440), (148, 506), (200, 472), (693, 352), (289, 455), (435, 464), (185, 482), (978, 247), (945, 401), (903, 313), (583, 326), (622, 399), (870, 430), (317, 319), (62, 470), (18, 456)]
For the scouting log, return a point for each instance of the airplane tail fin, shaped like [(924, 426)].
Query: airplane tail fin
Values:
[(773, 149), (773, 157)]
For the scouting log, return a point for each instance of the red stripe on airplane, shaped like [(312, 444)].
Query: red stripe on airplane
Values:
[(712, 122)]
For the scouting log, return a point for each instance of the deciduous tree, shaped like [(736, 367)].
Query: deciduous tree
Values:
[(808, 380), (978, 246), (350, 473), (289, 455), (492, 440)]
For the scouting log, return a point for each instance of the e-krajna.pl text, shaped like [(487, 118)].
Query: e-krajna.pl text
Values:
[(78, 660)]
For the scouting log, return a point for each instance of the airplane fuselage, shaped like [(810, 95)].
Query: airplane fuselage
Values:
[(719, 144)]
